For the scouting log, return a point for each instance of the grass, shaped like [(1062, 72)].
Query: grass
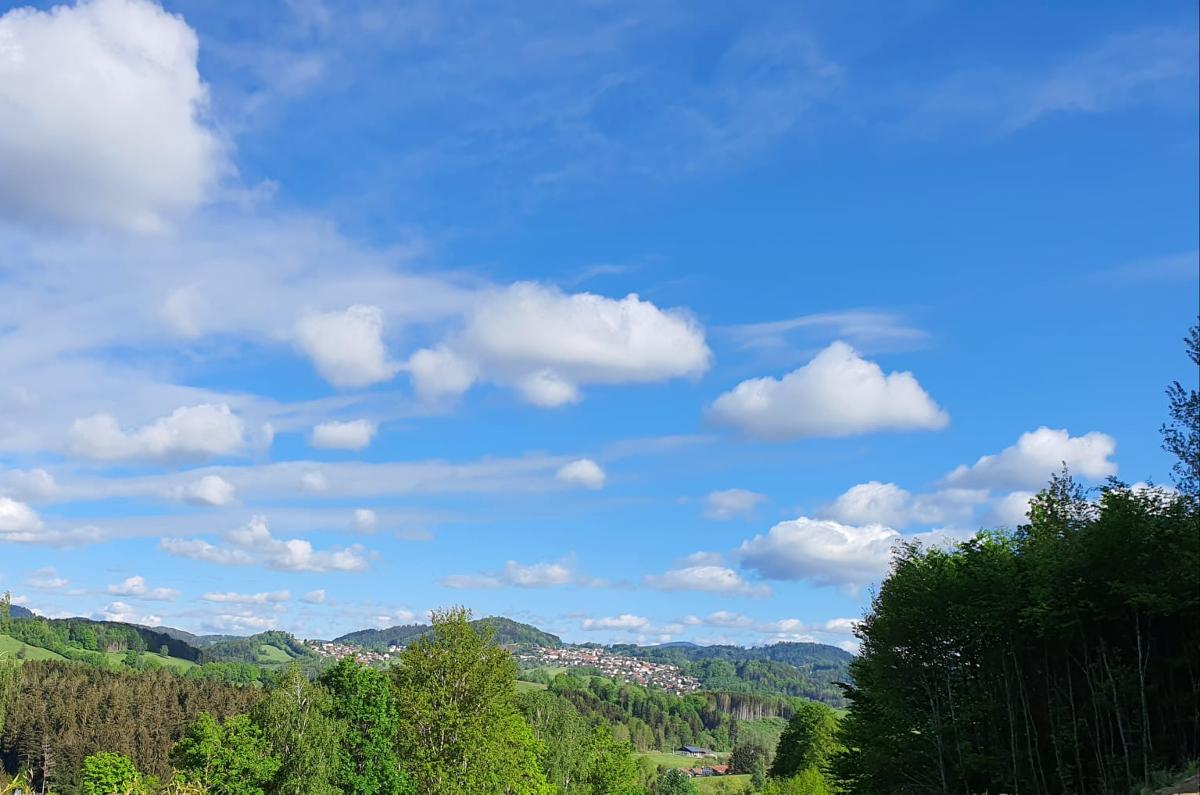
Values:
[(656, 759), (523, 685), (10, 646), (270, 655), (712, 785), (174, 663)]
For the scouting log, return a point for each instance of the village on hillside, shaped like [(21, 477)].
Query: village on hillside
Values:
[(615, 666)]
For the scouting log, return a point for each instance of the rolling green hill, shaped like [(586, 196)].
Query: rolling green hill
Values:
[(10, 648), (504, 630)]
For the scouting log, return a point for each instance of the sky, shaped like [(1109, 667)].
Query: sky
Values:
[(634, 321)]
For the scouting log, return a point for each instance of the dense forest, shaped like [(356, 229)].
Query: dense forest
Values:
[(1061, 657), (505, 631)]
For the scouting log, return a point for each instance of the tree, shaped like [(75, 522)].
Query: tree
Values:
[(230, 759), (297, 722), (106, 773), (809, 741), (613, 768), (1181, 436), (459, 729), (363, 703), (566, 737), (674, 782)]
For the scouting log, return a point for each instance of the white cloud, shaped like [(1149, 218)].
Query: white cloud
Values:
[(198, 549), (189, 432), (624, 622), (46, 579), (534, 575), (102, 118), (365, 520), (239, 623), (17, 517), (136, 586), (821, 551), (32, 484), (1011, 510), (838, 393), (211, 490), (707, 578), (1036, 456), (261, 598), (347, 347), (352, 435), (127, 614), (315, 597), (583, 472), (547, 344), (886, 503), (729, 503), (314, 481), (440, 372), (254, 543)]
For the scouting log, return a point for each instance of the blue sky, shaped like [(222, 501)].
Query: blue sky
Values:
[(634, 321)]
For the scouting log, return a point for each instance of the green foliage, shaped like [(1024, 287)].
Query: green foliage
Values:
[(363, 703), (674, 782), (1060, 657), (612, 768), (502, 631), (230, 759), (1181, 436), (106, 773), (297, 721), (809, 741), (459, 728), (806, 782)]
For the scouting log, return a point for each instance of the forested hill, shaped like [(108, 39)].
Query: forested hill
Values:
[(504, 631)]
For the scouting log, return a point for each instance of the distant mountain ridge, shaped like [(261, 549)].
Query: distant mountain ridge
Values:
[(505, 631)]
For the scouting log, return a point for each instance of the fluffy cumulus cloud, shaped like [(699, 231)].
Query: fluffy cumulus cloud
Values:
[(350, 435), (189, 432), (820, 551), (212, 490), (1011, 510), (708, 578), (838, 393), (347, 347), (136, 587), (254, 543), (582, 472), (316, 597), (728, 503), (547, 344), (17, 517), (886, 503), (102, 116), (1037, 455)]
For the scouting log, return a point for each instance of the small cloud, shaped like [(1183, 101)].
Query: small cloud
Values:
[(211, 490), (352, 435), (582, 472), (727, 504), (365, 520), (316, 597), (136, 586)]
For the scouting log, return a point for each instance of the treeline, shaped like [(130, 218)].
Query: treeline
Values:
[(504, 631), (54, 714), (652, 719), (807, 670), (445, 719), (79, 638), (1062, 657)]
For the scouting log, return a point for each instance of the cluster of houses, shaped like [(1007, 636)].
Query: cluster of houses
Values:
[(326, 648), (615, 666), (702, 771)]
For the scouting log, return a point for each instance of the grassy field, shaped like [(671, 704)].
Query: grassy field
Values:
[(270, 655), (718, 785), (521, 685), (655, 759), (174, 663), (9, 646)]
